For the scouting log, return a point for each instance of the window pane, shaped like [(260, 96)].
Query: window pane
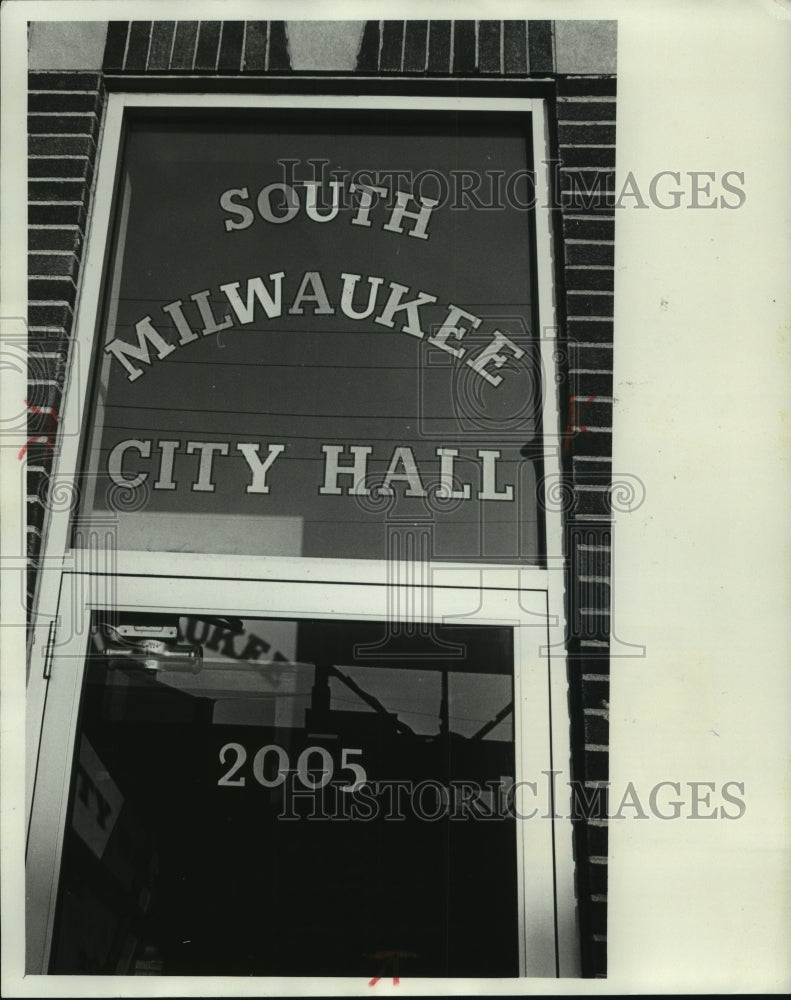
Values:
[(306, 387), (319, 798)]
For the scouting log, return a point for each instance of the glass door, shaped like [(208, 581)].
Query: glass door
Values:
[(227, 786)]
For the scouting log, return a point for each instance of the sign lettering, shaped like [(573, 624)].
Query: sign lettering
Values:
[(400, 307)]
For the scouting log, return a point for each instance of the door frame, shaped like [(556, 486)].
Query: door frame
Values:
[(544, 859), (73, 582)]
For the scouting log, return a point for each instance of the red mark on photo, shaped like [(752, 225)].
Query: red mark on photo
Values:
[(573, 421), (390, 964), (49, 426)]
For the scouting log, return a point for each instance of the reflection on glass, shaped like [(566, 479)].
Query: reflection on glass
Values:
[(291, 797)]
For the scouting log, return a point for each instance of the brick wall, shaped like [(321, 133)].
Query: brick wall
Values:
[(585, 136), (209, 47), (65, 117)]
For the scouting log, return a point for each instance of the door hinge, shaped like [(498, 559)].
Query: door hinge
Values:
[(49, 650)]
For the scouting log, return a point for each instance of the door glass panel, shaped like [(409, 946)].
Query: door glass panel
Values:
[(266, 796)]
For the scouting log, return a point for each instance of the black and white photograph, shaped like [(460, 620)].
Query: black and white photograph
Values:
[(395, 471)]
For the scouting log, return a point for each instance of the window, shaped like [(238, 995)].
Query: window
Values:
[(306, 658)]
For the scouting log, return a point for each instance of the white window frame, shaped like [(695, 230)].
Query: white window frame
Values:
[(59, 560)]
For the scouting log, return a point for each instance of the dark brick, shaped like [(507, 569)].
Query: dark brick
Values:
[(40, 453), (34, 511), (415, 46), (588, 624), (592, 562), (63, 101), (231, 46), (40, 397), (586, 86), (584, 111), (49, 340), (589, 196), (137, 50), (41, 124), (592, 413), (52, 289), (37, 367), (597, 766), (60, 166), (598, 959), (592, 443), (597, 358), (368, 56), (56, 215), (44, 424), (588, 331), (68, 238), (489, 46), (588, 193), (47, 400), (588, 156), (596, 839), (48, 314), (590, 253), (439, 46), (585, 304), (597, 730), (255, 46), (33, 537), (464, 47), (597, 915), (540, 58), (601, 228), (61, 145), (515, 47), (392, 41), (591, 474), (582, 135), (588, 803), (597, 880), (587, 279), (594, 534), (208, 45), (586, 385), (63, 79), (54, 190), (64, 264), (184, 45), (596, 694), (161, 44), (35, 482), (115, 45), (279, 58), (593, 186), (587, 594)]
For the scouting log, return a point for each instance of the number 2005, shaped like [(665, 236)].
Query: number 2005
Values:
[(311, 761)]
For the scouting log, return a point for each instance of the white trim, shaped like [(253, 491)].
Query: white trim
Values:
[(74, 397), (567, 942)]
